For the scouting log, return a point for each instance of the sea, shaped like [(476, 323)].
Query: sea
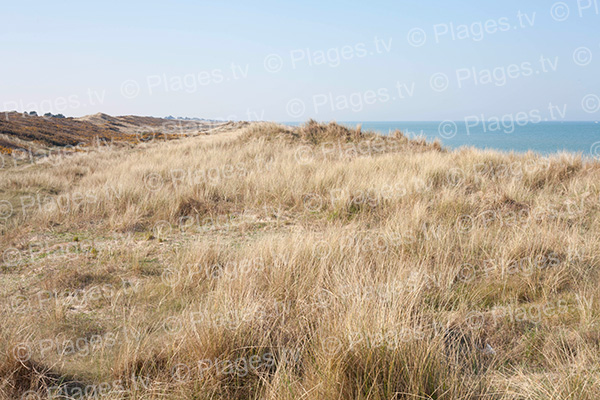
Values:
[(545, 137)]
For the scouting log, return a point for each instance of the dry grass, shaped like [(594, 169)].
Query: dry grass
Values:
[(311, 263)]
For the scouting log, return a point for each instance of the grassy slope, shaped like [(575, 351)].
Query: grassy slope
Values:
[(312, 263), (21, 133)]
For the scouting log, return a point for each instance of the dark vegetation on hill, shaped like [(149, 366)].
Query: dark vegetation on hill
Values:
[(29, 131)]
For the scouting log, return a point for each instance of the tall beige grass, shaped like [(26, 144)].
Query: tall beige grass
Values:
[(318, 262)]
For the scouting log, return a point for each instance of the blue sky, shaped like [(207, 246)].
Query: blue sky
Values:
[(273, 60)]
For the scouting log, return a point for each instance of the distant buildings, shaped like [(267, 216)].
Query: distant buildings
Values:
[(170, 117)]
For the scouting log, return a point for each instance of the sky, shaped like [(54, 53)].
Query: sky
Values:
[(290, 61)]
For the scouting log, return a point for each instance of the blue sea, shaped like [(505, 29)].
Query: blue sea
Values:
[(542, 137)]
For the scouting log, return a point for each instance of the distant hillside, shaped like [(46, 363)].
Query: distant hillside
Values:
[(19, 130)]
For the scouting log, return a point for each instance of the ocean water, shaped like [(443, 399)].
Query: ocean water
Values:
[(541, 137)]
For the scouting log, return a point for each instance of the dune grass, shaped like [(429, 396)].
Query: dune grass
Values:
[(318, 262)]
